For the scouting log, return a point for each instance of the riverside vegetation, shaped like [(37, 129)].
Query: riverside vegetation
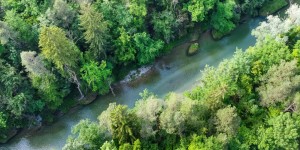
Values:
[(53, 53), (250, 101)]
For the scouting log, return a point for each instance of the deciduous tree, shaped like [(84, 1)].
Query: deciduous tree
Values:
[(280, 82), (98, 76), (147, 48)]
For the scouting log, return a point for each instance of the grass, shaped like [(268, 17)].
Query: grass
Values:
[(272, 6)]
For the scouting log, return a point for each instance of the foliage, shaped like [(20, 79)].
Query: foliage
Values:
[(148, 110), (148, 48), (274, 26), (108, 146), (272, 6), (25, 32), (221, 20), (281, 132), (227, 121), (251, 7), (125, 50), (57, 48), (164, 25), (97, 76), (45, 44), (181, 114), (250, 101), (200, 8), (95, 30), (123, 125), (279, 83), (2, 121), (204, 143), (88, 136), (60, 15)]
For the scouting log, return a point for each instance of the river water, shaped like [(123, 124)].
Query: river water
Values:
[(172, 72)]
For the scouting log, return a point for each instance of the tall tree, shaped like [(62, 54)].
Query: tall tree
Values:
[(138, 9), (124, 125), (42, 79), (121, 123), (164, 24), (227, 121), (61, 15), (181, 115), (57, 48), (147, 48), (148, 111), (95, 29), (125, 50), (282, 132), (280, 82), (200, 8), (98, 76), (221, 19), (86, 135)]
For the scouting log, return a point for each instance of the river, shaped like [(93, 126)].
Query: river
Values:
[(172, 72)]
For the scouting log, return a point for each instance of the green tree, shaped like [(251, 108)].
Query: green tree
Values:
[(138, 9), (86, 135), (147, 48), (296, 50), (25, 32), (3, 121), (164, 24), (42, 79), (27, 9), (6, 33), (280, 82), (282, 132), (148, 111), (200, 8), (204, 143), (221, 18), (15, 93), (125, 50), (95, 29), (98, 76), (61, 15), (108, 146), (182, 115), (124, 126), (251, 7), (119, 123), (227, 121), (125, 146), (57, 48), (137, 145)]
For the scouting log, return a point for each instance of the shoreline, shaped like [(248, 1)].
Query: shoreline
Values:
[(132, 76)]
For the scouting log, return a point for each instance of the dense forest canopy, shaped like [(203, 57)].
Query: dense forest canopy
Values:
[(55, 53), (250, 101)]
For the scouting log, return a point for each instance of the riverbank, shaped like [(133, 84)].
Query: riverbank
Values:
[(78, 105), (173, 71), (73, 105)]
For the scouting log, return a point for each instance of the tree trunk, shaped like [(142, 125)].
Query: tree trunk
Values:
[(73, 78)]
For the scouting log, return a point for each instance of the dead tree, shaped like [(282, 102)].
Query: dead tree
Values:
[(73, 79)]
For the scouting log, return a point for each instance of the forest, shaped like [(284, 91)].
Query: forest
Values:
[(54, 54), (250, 101)]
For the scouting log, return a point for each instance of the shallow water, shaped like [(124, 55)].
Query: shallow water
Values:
[(172, 72)]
